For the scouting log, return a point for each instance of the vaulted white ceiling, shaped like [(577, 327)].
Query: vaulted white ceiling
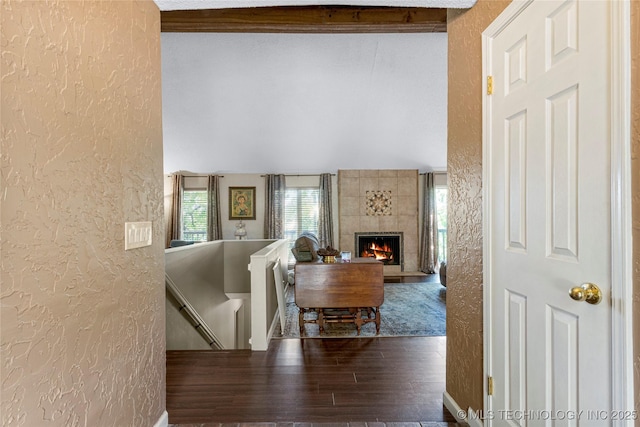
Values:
[(303, 103)]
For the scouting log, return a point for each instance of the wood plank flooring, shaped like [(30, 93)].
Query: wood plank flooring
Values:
[(330, 380)]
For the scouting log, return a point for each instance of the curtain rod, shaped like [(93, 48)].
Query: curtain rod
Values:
[(222, 176), (310, 174), (286, 174), (195, 176)]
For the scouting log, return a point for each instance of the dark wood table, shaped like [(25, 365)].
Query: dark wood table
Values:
[(340, 292)]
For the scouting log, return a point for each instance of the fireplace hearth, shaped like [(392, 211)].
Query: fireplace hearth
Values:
[(383, 246)]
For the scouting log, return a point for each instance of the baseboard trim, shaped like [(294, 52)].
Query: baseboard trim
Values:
[(163, 421), (461, 416)]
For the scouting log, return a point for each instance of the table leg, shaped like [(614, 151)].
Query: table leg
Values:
[(358, 319), (321, 319), (301, 320)]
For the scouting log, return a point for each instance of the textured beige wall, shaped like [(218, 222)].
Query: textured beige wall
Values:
[(635, 182), (82, 321), (464, 265)]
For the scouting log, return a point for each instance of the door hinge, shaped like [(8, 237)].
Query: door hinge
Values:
[(489, 85), (490, 386)]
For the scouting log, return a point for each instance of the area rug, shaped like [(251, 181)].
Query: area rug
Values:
[(409, 309)]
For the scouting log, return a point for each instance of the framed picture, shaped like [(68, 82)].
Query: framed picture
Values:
[(242, 203)]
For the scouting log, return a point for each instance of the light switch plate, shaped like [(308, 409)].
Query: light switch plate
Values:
[(137, 234)]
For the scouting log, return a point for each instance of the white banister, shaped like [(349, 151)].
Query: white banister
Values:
[(264, 305)]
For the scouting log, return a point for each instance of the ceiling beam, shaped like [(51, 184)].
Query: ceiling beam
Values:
[(307, 19)]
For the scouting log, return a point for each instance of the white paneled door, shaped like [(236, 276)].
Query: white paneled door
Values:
[(548, 226)]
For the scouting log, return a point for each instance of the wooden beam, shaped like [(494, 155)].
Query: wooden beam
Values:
[(307, 19)]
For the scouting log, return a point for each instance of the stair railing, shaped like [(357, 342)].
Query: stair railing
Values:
[(196, 321)]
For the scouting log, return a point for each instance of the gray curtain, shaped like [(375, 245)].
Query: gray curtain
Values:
[(274, 206), (429, 240), (173, 226), (214, 220), (325, 219)]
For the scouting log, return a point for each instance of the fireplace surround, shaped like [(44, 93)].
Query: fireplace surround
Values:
[(380, 202)]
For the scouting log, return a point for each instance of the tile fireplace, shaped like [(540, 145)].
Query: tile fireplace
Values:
[(381, 202)]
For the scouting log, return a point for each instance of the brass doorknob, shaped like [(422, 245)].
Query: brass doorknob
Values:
[(588, 292)]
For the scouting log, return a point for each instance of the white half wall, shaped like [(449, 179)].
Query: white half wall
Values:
[(303, 103)]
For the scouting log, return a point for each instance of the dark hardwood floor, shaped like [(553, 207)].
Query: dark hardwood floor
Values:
[(348, 381), (336, 382)]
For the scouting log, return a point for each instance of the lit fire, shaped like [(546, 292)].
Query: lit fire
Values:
[(382, 253)]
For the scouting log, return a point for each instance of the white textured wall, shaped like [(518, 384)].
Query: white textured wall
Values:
[(82, 337), (304, 103)]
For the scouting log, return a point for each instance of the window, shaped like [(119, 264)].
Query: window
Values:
[(441, 221), (194, 216), (301, 209)]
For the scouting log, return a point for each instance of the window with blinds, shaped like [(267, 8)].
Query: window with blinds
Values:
[(194, 215), (301, 210)]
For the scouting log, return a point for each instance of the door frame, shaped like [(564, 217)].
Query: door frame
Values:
[(621, 227)]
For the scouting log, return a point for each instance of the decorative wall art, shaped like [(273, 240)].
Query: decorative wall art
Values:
[(378, 203), (242, 203)]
